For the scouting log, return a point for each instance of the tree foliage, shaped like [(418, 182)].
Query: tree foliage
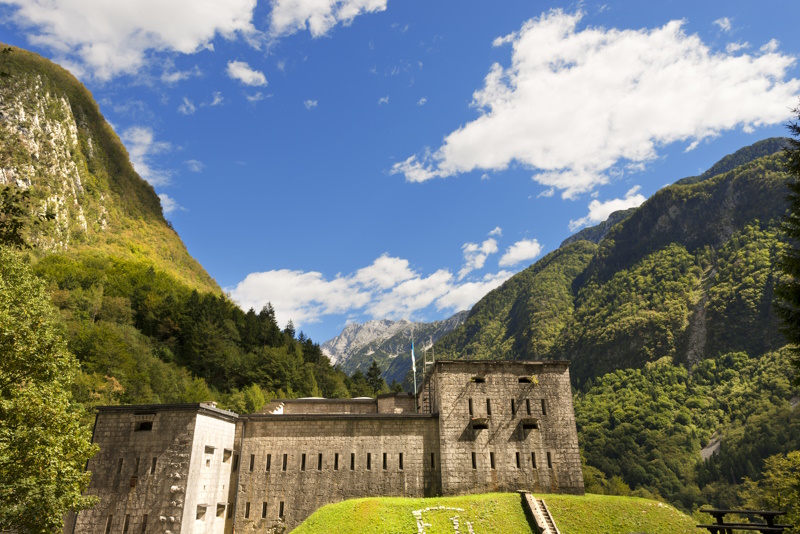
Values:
[(647, 426), (788, 292), (44, 446), (778, 488), (161, 341)]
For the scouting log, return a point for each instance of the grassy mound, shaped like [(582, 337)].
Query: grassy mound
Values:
[(612, 514), (491, 513), (497, 513)]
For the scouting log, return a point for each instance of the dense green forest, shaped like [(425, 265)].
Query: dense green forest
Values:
[(143, 337)]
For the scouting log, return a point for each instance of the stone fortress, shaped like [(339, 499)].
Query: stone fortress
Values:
[(478, 426)]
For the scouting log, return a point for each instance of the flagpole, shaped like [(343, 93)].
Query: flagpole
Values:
[(414, 367)]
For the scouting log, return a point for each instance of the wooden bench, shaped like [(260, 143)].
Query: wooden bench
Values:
[(721, 527)]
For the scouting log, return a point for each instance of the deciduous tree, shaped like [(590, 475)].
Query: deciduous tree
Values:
[(43, 444)]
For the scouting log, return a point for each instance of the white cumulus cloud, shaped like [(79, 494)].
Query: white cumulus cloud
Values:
[(187, 108), (599, 211), (475, 255), (169, 205), (310, 104), (318, 16), (112, 38), (387, 288), (195, 165), (725, 24), (523, 250), (575, 103), (240, 70), (142, 146)]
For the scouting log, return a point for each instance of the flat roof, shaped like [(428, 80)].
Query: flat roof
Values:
[(335, 416), (198, 407), (507, 362)]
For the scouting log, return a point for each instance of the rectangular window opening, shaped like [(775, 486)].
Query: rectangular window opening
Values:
[(544, 408), (269, 462), (285, 460), (134, 480), (549, 460), (470, 407), (491, 459), (252, 461), (474, 461), (488, 407), (230, 510), (144, 522), (524, 380), (220, 510), (201, 513), (226, 455), (336, 462), (280, 512), (144, 426), (385, 466), (433, 460), (264, 510), (235, 466), (319, 462), (136, 466), (153, 466), (303, 462), (478, 379), (517, 455), (119, 465), (528, 406), (352, 461), (108, 523), (533, 459), (127, 524), (513, 408), (400, 462), (247, 510), (369, 461)]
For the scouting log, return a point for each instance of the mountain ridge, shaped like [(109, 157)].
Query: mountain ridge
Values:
[(55, 143)]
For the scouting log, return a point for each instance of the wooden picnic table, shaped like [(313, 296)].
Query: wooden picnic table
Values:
[(721, 527)]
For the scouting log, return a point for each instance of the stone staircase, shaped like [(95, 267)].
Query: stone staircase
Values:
[(537, 509)]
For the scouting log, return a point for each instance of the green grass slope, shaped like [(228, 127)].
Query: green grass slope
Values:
[(616, 515), (490, 513), (500, 513)]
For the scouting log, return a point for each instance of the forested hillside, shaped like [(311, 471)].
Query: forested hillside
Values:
[(145, 320), (670, 327)]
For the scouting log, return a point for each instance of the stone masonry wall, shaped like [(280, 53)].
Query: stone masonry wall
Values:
[(542, 425), (161, 454), (303, 488), (149, 473)]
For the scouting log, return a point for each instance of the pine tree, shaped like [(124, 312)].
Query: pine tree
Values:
[(374, 379), (788, 290)]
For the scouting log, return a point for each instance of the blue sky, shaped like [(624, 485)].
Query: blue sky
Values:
[(358, 159)]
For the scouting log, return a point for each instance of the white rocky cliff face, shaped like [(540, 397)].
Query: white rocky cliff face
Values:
[(41, 148)]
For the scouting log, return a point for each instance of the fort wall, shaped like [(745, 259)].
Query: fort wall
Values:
[(142, 471), (482, 426), (292, 465), (506, 426)]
